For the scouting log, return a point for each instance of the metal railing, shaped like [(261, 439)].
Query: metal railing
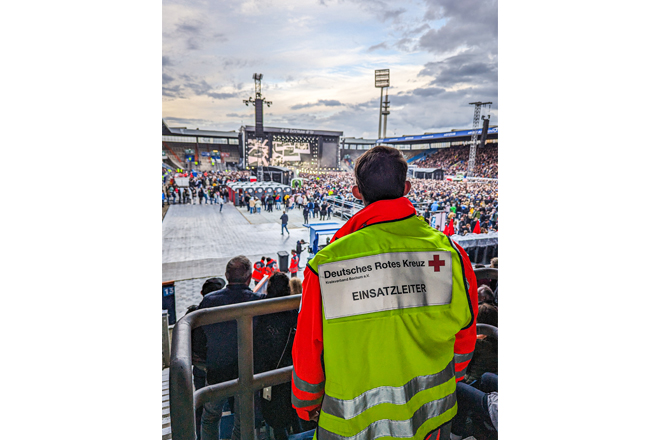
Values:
[(183, 401)]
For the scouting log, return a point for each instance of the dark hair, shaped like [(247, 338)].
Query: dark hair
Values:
[(487, 314), (212, 284), (485, 294), (296, 286), (278, 285), (380, 174), (239, 270)]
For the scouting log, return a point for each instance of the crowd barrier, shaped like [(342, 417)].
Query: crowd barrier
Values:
[(183, 401)]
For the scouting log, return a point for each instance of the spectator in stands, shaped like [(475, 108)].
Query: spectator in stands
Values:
[(273, 339), (493, 262), (199, 374), (217, 344), (296, 286), (486, 295), (480, 404)]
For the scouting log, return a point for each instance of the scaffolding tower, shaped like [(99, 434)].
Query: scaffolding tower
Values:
[(475, 135)]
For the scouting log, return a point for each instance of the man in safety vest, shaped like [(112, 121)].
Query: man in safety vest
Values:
[(293, 267), (259, 270), (387, 322)]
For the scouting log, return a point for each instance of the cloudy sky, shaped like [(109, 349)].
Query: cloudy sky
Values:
[(318, 59)]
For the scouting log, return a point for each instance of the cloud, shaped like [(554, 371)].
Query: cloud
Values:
[(320, 102), (469, 24), (166, 61), (189, 122), (202, 88), (472, 67), (167, 79), (382, 45)]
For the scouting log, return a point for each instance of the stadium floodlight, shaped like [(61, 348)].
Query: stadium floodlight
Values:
[(382, 78)]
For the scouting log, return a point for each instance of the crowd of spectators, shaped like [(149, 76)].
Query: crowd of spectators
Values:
[(466, 204), (454, 160)]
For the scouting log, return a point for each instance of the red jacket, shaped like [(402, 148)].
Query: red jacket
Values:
[(308, 344), (293, 267), (259, 270)]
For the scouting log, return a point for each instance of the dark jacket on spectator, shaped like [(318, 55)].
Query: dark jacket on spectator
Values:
[(218, 343), (273, 340)]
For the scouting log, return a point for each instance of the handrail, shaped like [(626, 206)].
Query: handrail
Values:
[(182, 399), (486, 273), (487, 329)]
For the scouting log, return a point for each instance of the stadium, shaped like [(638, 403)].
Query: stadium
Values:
[(225, 194)]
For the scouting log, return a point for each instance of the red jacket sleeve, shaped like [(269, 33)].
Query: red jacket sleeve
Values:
[(308, 381), (467, 337)]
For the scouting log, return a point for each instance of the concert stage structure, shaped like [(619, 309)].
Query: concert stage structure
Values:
[(237, 189), (291, 148), (426, 173)]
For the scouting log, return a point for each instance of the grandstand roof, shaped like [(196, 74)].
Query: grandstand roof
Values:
[(438, 137), (359, 141), (167, 131)]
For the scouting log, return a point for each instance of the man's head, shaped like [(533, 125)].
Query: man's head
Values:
[(239, 270), (212, 284), (485, 295), (278, 285), (380, 174)]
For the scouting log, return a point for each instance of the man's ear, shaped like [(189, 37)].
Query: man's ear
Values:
[(406, 190), (356, 193)]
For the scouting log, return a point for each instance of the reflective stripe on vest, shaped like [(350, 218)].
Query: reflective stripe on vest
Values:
[(306, 386), (461, 373), (397, 428), (299, 403), (347, 409), (458, 358)]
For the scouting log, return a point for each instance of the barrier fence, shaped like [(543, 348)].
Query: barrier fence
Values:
[(183, 401)]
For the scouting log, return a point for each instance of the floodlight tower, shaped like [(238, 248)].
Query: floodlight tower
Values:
[(258, 103), (475, 135), (382, 81)]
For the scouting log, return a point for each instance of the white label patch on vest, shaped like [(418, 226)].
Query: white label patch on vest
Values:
[(381, 282)]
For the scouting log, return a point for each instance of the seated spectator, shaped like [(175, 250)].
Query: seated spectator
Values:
[(484, 358), (477, 409), (296, 286), (199, 374), (493, 262), (485, 295), (216, 345), (273, 340)]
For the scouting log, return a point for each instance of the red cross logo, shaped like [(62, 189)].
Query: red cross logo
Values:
[(436, 262)]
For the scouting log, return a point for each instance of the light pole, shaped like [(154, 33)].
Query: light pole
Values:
[(382, 78)]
